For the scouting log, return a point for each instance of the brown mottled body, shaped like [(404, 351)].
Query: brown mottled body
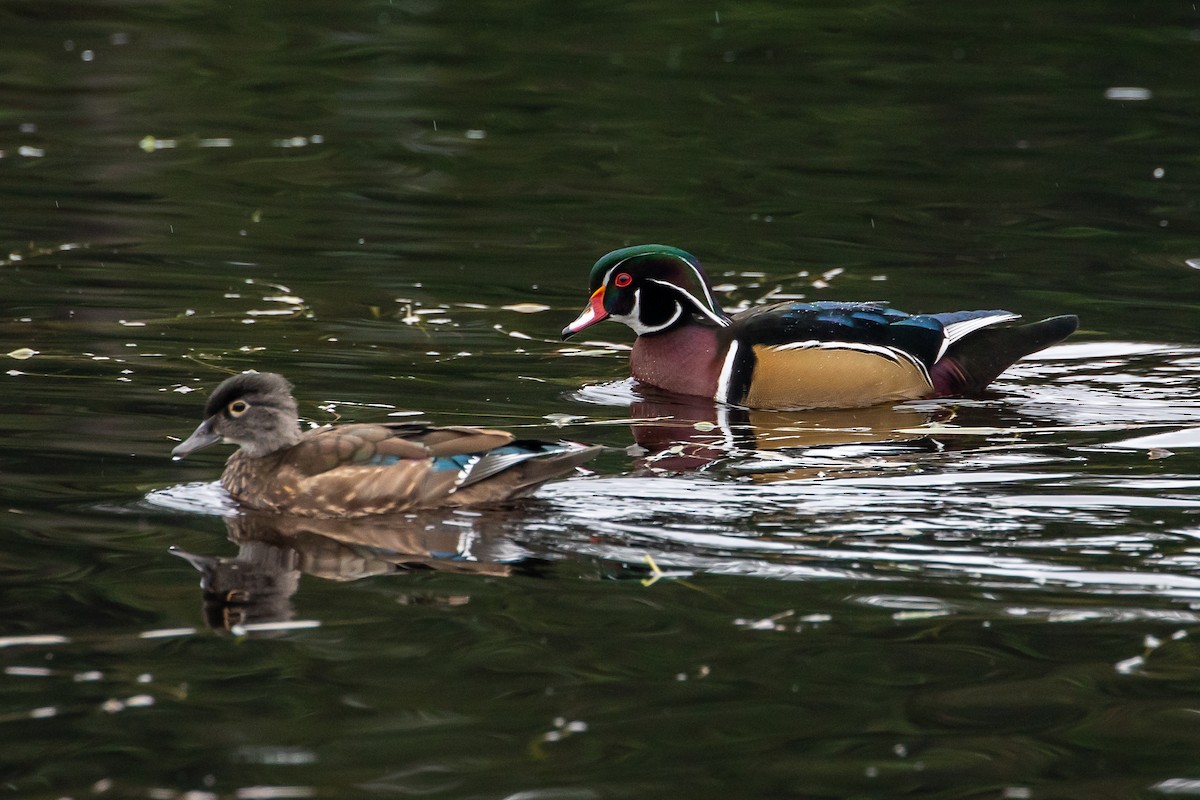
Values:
[(348, 471), (328, 473)]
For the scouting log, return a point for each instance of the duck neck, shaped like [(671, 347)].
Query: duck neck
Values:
[(686, 359)]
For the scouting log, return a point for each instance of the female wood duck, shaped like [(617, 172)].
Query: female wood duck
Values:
[(797, 355), (366, 469)]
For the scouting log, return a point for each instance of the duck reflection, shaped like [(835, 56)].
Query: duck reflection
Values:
[(682, 433), (256, 586)]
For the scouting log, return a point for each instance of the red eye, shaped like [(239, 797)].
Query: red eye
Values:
[(622, 280)]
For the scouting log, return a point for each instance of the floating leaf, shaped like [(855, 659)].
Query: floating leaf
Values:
[(560, 419), (150, 143), (1134, 93), (526, 308)]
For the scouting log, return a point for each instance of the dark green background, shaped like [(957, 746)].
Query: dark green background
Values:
[(952, 617)]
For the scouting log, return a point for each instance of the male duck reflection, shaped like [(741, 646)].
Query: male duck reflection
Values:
[(365, 469), (797, 355)]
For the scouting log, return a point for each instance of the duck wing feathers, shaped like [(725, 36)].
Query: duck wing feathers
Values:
[(863, 325), (361, 470)]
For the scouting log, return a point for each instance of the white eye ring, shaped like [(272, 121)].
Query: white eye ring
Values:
[(238, 407)]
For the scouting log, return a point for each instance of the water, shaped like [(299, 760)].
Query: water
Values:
[(396, 205)]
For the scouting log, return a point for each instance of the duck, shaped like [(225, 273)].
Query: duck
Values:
[(361, 470), (797, 355)]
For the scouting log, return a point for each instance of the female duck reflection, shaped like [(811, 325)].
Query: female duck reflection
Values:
[(255, 587)]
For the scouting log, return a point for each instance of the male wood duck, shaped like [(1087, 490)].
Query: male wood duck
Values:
[(797, 355), (365, 469)]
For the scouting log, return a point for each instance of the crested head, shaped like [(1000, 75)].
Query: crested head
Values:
[(259, 387), (645, 254), (254, 410), (652, 288)]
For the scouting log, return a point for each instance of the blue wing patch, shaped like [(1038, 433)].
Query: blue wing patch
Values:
[(455, 463)]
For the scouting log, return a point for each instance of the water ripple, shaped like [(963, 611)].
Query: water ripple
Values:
[(992, 528)]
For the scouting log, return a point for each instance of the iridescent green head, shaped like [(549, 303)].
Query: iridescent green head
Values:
[(651, 288)]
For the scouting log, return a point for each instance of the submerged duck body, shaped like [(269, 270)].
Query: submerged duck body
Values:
[(797, 355), (362, 470)]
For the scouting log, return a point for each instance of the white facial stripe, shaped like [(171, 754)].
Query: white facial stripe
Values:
[(727, 373), (703, 284), (634, 320), (703, 309), (613, 268)]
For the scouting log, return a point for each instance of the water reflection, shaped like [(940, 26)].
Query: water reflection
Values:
[(256, 586), (1137, 392), (1039, 486), (1077, 473), (1130, 383), (753, 134), (682, 433)]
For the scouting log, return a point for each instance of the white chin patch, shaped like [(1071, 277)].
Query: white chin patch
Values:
[(634, 318)]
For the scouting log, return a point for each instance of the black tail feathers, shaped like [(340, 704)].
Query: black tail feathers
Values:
[(975, 361)]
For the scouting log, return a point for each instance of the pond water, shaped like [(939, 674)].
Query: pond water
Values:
[(396, 204)]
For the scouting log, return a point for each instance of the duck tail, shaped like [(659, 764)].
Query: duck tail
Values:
[(525, 472), (974, 361), (558, 461)]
